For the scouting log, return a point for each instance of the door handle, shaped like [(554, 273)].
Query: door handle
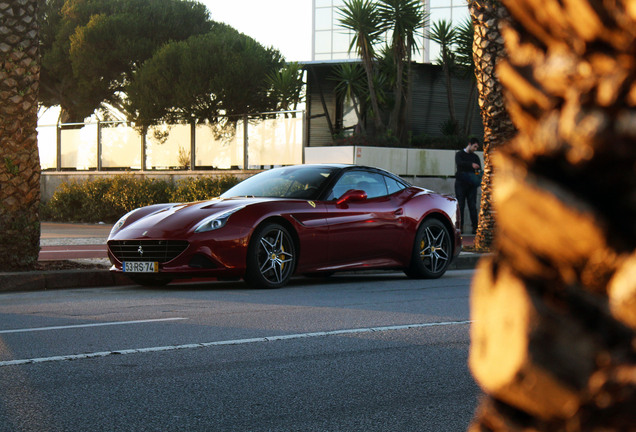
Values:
[(399, 212)]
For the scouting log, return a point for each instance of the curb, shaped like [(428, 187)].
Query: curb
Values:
[(467, 260), (68, 279), (59, 279)]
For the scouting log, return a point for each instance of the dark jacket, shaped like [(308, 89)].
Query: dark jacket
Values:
[(464, 162)]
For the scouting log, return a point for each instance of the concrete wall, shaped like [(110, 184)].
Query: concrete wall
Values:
[(406, 162)]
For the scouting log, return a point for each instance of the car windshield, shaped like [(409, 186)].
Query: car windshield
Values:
[(303, 182)]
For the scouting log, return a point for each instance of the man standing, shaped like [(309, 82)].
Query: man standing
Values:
[(467, 179)]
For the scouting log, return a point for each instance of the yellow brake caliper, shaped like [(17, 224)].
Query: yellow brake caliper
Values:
[(282, 257)]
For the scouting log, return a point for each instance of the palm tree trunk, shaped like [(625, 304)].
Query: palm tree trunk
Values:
[(405, 113), (468, 115), (554, 308), (398, 91), (498, 128), (377, 115), (19, 160)]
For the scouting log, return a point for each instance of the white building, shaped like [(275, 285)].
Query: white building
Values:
[(331, 42)]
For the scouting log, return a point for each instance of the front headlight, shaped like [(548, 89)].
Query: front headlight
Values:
[(121, 222), (216, 221)]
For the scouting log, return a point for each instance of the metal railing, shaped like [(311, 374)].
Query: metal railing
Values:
[(253, 141)]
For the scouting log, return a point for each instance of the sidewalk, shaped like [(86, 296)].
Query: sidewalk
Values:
[(83, 243), (86, 244)]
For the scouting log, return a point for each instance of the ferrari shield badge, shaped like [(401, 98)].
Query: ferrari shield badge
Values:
[(311, 203)]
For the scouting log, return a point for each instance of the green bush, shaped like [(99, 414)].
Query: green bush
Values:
[(107, 199), (201, 188), (65, 204), (127, 193)]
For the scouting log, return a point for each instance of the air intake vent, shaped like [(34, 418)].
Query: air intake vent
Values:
[(147, 250)]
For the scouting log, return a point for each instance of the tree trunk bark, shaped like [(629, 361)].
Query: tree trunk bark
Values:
[(498, 127), (553, 340), (19, 159)]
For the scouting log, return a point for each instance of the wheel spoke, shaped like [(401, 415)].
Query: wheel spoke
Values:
[(277, 272), (285, 257), (278, 242), (434, 249), (273, 258), (267, 266), (267, 246)]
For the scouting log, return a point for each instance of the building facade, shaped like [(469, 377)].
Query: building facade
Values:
[(330, 41)]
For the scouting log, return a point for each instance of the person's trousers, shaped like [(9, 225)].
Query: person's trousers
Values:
[(467, 193)]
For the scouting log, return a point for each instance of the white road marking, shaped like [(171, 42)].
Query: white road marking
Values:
[(228, 342), (87, 325)]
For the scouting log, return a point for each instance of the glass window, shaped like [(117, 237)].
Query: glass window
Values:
[(447, 4), (460, 14), (439, 4), (301, 181), (326, 17), (338, 14), (327, 56), (323, 19), (369, 182), (323, 42), (440, 14), (393, 185), (342, 41)]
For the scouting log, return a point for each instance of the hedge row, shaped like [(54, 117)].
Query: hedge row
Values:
[(107, 199)]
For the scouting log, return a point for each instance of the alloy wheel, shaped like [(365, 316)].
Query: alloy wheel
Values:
[(274, 258), (435, 248)]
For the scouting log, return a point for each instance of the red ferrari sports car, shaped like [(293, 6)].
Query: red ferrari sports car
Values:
[(305, 219)]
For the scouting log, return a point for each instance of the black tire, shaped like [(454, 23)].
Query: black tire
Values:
[(271, 257), (432, 251), (150, 280)]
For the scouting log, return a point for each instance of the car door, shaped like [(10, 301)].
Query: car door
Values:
[(364, 229)]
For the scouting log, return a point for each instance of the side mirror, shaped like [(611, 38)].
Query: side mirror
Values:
[(352, 195)]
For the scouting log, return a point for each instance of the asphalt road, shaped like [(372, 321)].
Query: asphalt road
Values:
[(350, 353)]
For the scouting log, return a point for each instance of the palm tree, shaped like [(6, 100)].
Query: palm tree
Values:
[(466, 66), (554, 308), (403, 18), (498, 128), (363, 19), (19, 160), (350, 85), (287, 85), (445, 35)]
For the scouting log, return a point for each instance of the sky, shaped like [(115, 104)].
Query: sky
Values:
[(282, 24)]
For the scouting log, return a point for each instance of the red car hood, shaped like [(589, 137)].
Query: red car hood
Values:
[(176, 220)]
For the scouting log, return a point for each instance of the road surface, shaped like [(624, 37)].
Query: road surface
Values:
[(349, 353)]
